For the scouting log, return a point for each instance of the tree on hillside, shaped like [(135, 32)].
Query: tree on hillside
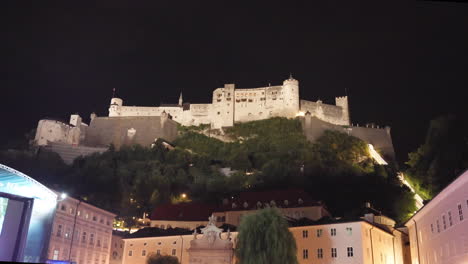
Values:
[(264, 238), (159, 259), (442, 157)]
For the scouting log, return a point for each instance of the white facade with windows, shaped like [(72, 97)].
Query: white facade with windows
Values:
[(357, 242), (81, 233), (350, 242), (439, 231)]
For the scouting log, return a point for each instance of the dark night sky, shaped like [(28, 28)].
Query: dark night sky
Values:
[(403, 62)]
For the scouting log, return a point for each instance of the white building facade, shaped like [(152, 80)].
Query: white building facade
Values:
[(354, 242), (230, 105), (81, 233), (439, 231)]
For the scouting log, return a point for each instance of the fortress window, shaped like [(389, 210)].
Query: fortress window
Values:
[(243, 99), (250, 100), (219, 100), (229, 99), (219, 113)]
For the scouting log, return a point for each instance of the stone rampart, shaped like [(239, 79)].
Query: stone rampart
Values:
[(380, 138)]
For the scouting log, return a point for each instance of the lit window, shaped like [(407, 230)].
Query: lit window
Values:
[(305, 233), (460, 212), (319, 232), (305, 253), (349, 231), (333, 253), (173, 252), (56, 254), (333, 231), (350, 252), (319, 253), (450, 218)]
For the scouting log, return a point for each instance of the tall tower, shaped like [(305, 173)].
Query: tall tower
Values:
[(181, 101), (291, 96), (343, 103), (115, 105)]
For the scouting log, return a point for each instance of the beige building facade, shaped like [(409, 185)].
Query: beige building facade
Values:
[(439, 231), (81, 233), (354, 242)]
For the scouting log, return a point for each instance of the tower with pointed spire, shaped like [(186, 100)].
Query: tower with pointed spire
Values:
[(181, 101)]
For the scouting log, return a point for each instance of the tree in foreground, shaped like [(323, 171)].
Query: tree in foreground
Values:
[(264, 238), (159, 259)]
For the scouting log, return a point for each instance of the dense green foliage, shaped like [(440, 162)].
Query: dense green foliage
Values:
[(264, 238), (264, 154), (442, 157), (158, 259)]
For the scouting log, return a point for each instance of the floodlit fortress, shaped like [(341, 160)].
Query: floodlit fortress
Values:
[(143, 125), (231, 105)]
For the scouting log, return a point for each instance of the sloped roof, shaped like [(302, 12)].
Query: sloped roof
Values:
[(282, 198), (193, 211)]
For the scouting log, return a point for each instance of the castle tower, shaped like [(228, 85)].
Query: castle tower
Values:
[(343, 103), (181, 101), (291, 96), (115, 106), (223, 106)]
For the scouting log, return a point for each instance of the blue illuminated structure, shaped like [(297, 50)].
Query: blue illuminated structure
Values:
[(27, 210)]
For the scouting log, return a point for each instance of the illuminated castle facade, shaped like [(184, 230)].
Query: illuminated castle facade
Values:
[(230, 105)]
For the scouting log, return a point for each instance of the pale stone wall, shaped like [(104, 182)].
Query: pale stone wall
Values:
[(92, 223), (439, 231), (380, 138), (336, 115), (57, 131), (230, 105)]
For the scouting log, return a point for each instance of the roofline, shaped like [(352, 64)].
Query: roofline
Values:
[(436, 196), (88, 204)]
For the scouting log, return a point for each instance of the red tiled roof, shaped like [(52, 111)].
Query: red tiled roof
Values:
[(292, 196), (193, 211)]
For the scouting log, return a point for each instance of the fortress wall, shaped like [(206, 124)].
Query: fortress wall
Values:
[(379, 137), (120, 131), (56, 131), (329, 113)]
